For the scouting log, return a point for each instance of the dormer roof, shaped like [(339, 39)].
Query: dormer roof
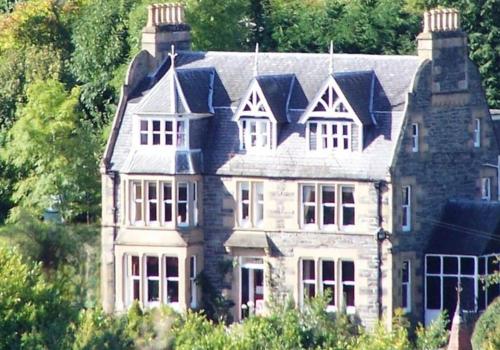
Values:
[(180, 91), (351, 91), (273, 93)]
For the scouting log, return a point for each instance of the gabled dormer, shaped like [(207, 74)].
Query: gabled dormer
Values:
[(262, 110), (165, 115), (337, 115)]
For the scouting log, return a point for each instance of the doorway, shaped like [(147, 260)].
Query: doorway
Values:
[(251, 286)]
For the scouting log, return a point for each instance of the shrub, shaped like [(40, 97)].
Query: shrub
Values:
[(486, 334), (435, 335)]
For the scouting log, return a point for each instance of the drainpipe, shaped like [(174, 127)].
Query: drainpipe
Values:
[(380, 236)]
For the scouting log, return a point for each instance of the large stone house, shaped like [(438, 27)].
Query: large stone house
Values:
[(372, 177)]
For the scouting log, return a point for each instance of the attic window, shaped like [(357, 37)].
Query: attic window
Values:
[(255, 134), (329, 135)]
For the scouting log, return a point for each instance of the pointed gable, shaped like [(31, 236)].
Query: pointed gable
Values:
[(254, 103), (343, 95)]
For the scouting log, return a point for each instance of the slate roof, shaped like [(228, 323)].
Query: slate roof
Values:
[(467, 227), (229, 74), (357, 88), (276, 89)]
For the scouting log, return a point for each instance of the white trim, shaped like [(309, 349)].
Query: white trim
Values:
[(254, 91), (162, 132), (252, 202), (329, 112), (330, 136), (263, 134), (193, 271)]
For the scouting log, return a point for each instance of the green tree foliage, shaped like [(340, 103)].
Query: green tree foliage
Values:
[(34, 312), (100, 41), (45, 144), (380, 26), (486, 334)]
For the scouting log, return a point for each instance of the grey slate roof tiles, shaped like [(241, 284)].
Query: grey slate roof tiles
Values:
[(303, 74), (467, 227)]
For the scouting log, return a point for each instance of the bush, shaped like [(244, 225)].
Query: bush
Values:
[(34, 313), (486, 334), (435, 335)]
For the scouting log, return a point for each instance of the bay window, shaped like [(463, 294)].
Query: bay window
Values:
[(166, 203), (164, 131), (171, 284), (152, 280), (134, 277), (308, 204), (328, 281)]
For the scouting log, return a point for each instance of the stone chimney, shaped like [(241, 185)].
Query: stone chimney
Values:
[(165, 27), (443, 41)]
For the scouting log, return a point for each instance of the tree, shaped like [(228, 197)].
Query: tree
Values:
[(56, 150), (34, 312), (100, 42)]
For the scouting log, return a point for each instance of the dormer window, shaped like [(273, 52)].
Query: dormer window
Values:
[(255, 133), (337, 116), (167, 132), (257, 119), (329, 135)]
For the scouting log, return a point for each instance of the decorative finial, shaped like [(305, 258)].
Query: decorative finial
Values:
[(330, 66), (172, 55), (256, 61)]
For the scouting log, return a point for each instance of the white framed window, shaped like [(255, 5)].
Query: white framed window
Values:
[(258, 204), (182, 204), (328, 207), (327, 282), (486, 188), (171, 282), (162, 131), (308, 204), (319, 209), (244, 204), (194, 202), (163, 203), (308, 279), (487, 265), (255, 133), (134, 279), (406, 208), (152, 203), (192, 282), (167, 203), (414, 137), (443, 273), (477, 132), (250, 204), (136, 203), (152, 281), (348, 206), (348, 286), (329, 135), (406, 286)]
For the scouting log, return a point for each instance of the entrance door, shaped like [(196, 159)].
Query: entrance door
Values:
[(252, 286)]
